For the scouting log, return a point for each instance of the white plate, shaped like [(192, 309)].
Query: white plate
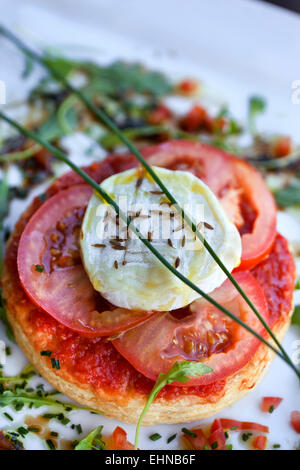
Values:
[(237, 48)]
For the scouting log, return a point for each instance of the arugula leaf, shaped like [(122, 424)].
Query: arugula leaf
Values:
[(257, 105), (93, 441), (25, 375), (179, 372), (296, 316), (9, 397), (289, 196)]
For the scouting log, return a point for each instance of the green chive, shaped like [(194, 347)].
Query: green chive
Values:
[(54, 434), (205, 447), (188, 432), (155, 436), (271, 409), (171, 438), (55, 363), (255, 104), (276, 446), (79, 428), (246, 436), (50, 444), (111, 201), (46, 353), (39, 268), (8, 416), (32, 429)]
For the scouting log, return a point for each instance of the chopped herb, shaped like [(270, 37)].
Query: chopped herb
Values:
[(33, 429), (188, 432), (8, 416), (271, 409), (55, 363), (205, 447), (296, 316), (171, 438), (155, 436), (8, 351), (54, 434), (229, 446), (215, 445), (246, 436), (50, 444), (46, 353), (23, 431), (276, 446), (39, 268), (233, 428), (79, 428), (226, 434)]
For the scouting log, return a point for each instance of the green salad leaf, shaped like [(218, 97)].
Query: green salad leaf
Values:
[(179, 372), (93, 441), (289, 196), (257, 105)]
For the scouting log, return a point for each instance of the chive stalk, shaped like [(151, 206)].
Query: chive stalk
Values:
[(110, 124), (61, 156)]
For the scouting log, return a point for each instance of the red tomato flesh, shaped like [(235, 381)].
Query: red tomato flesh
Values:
[(235, 425), (259, 442), (199, 442), (268, 404), (295, 421), (52, 273), (200, 332), (118, 440), (239, 187)]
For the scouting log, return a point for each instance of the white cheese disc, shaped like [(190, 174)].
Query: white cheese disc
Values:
[(123, 269)]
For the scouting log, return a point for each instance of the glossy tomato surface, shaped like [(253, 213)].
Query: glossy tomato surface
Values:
[(52, 273), (200, 332)]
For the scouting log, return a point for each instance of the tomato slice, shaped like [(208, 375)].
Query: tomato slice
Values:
[(118, 440), (52, 273), (259, 442), (239, 187), (268, 404), (200, 332), (235, 425)]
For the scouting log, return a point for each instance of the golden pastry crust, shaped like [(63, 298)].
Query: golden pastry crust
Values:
[(185, 408), (179, 410), (126, 401)]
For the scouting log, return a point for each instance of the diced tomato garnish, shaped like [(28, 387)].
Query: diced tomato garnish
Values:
[(118, 440), (216, 425), (243, 425), (295, 421), (195, 119), (199, 442), (217, 439), (158, 115), (259, 442), (282, 147), (187, 87), (269, 404)]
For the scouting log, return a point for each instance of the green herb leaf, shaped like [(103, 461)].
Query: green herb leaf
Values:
[(296, 316), (93, 441), (3, 212), (9, 397), (289, 196), (257, 105), (179, 372)]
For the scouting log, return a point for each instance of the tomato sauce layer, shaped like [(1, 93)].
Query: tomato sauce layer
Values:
[(95, 362)]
